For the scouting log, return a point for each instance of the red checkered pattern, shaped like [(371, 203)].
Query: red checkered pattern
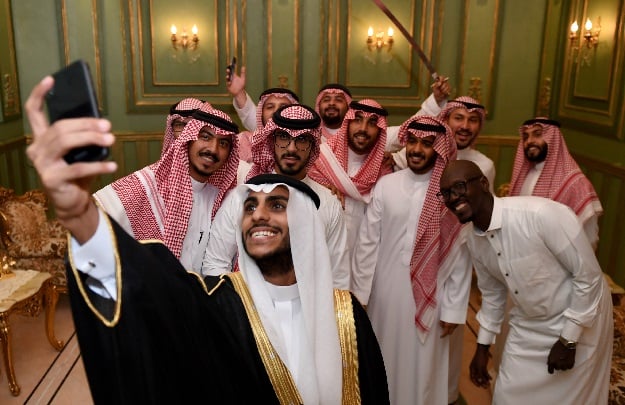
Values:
[(174, 186), (261, 103), (438, 228), (457, 103), (185, 104), (561, 178), (263, 142), (371, 169)]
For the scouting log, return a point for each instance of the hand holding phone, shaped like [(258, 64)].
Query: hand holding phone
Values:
[(230, 69), (73, 96)]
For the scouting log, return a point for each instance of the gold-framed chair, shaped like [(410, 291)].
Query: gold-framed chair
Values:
[(34, 242)]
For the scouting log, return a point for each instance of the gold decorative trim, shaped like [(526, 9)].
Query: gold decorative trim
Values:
[(67, 55), (118, 276), (12, 103), (607, 117), (213, 47), (544, 99), (279, 375), (491, 58), (349, 347), (296, 46), (411, 72), (475, 88)]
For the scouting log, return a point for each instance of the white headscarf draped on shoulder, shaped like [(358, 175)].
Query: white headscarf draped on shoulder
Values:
[(320, 367)]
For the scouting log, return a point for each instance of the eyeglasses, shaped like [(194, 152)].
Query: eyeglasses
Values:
[(458, 189), (302, 143)]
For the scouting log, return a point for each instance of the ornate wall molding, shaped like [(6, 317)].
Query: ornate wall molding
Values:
[(9, 84)]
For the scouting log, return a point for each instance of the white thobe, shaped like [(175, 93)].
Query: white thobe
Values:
[(589, 216), (536, 250), (417, 372), (354, 209), (222, 246), (288, 311), (247, 113), (198, 227), (456, 339)]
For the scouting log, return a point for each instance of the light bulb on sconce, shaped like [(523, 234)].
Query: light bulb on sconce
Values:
[(184, 41), (379, 41), (574, 29), (591, 40)]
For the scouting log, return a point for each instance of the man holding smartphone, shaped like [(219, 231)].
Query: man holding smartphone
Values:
[(176, 198)]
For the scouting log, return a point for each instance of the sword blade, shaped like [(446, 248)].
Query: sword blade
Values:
[(404, 31)]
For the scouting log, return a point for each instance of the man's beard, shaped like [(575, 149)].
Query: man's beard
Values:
[(540, 157), (334, 120), (277, 263)]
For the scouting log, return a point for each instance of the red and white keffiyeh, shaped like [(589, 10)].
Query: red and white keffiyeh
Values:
[(438, 228), (182, 109), (245, 137), (561, 178), (173, 184), (331, 88), (468, 103), (296, 119), (277, 92), (372, 168)]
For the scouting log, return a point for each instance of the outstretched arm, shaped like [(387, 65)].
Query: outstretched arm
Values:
[(68, 185)]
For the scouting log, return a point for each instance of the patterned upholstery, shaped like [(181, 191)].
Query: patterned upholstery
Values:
[(29, 238), (617, 374)]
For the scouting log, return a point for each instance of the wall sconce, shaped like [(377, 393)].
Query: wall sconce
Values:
[(378, 42), (184, 41), (591, 39)]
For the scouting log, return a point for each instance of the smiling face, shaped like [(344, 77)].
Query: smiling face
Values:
[(264, 225), (363, 133), (465, 126), (464, 189), (208, 153), (332, 109), (420, 153), (534, 145)]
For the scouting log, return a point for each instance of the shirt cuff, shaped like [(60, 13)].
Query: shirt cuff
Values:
[(571, 331), (485, 337), (95, 257)]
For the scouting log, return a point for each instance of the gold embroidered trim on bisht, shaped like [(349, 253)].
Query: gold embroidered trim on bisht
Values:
[(118, 276), (280, 377), (349, 346)]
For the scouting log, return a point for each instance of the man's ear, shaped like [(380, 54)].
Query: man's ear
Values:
[(485, 184)]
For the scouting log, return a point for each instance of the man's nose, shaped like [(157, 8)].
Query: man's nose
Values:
[(291, 146), (260, 213)]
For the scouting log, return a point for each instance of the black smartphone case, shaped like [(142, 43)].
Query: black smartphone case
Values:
[(73, 96)]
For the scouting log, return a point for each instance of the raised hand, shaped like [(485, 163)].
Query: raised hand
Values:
[(67, 185), (441, 89)]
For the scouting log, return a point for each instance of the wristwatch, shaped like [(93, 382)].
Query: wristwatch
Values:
[(569, 344)]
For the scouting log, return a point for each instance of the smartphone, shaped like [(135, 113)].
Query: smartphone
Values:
[(230, 68), (73, 96)]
